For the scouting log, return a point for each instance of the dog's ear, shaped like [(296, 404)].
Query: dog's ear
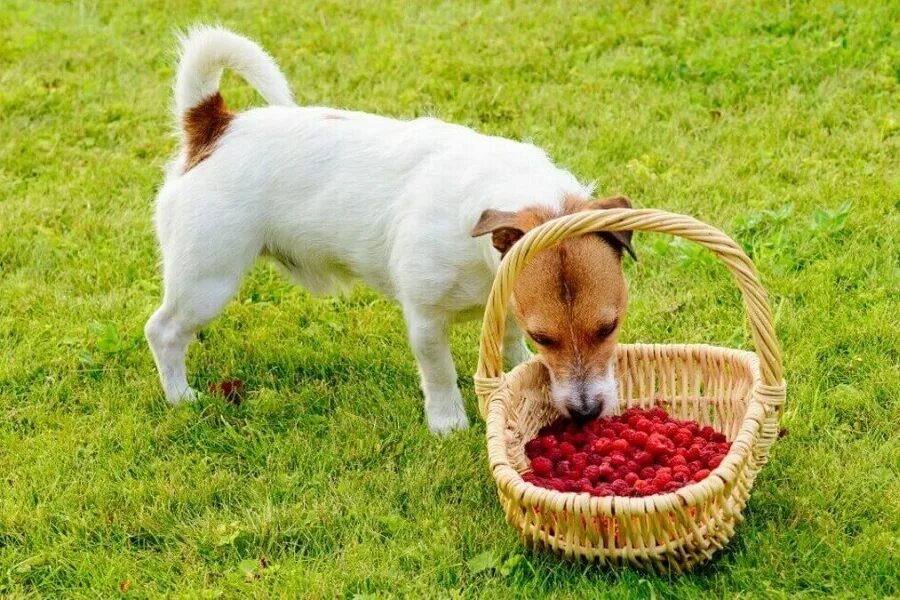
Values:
[(619, 239), (503, 227)]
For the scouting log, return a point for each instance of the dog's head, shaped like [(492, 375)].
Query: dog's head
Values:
[(571, 300)]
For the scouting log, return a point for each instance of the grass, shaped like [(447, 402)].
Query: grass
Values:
[(777, 122)]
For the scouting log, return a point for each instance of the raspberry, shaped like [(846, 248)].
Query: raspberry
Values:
[(621, 472), (584, 485), (681, 477), (548, 441), (681, 469), (707, 433), (542, 466), (715, 461), (572, 485), (592, 472), (695, 465), (533, 448), (618, 427), (647, 473), (659, 444), (563, 468), (557, 484), (671, 429), (639, 439), (659, 429), (620, 445), (693, 453), (658, 413), (643, 458), (633, 419), (553, 454), (662, 478), (676, 460), (692, 427), (595, 459), (579, 459), (682, 438), (644, 425), (706, 456), (701, 475), (630, 478), (621, 488), (567, 449), (602, 446), (604, 490), (617, 459), (718, 438), (530, 477), (645, 488), (608, 433), (607, 472)]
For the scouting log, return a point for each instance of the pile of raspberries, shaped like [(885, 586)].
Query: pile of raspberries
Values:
[(638, 453)]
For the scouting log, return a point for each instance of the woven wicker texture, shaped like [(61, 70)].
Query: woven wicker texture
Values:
[(738, 393)]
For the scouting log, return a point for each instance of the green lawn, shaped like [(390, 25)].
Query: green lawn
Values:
[(779, 123)]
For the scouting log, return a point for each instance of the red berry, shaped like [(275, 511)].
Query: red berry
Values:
[(644, 488), (567, 449), (671, 429), (715, 461), (579, 460), (617, 459), (647, 473), (644, 425), (608, 433), (542, 466), (553, 454), (595, 459), (682, 438), (630, 478), (707, 433), (618, 427), (659, 444), (621, 488), (662, 477), (684, 470), (658, 413), (604, 490), (676, 460), (633, 419), (695, 465), (592, 472), (643, 458), (607, 473), (602, 446), (639, 439), (620, 445), (533, 448), (718, 438), (693, 453), (701, 475), (584, 485), (563, 468), (548, 441)]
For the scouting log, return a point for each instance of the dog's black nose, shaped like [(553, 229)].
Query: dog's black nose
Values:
[(585, 412)]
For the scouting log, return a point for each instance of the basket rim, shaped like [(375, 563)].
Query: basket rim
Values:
[(722, 478)]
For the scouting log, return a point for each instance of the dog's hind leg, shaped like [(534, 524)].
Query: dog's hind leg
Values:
[(200, 275)]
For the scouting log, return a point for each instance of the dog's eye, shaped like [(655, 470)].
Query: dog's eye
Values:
[(605, 331), (542, 340)]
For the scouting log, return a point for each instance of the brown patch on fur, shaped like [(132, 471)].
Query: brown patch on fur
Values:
[(571, 298), (203, 125)]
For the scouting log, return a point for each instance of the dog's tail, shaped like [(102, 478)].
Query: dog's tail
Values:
[(206, 51)]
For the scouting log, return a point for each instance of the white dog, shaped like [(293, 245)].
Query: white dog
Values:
[(335, 195)]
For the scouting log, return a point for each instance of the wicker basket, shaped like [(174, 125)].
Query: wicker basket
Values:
[(738, 393)]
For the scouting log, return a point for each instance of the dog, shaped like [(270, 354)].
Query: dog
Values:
[(421, 210)]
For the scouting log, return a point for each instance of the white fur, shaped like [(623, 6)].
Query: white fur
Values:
[(587, 393), (337, 195)]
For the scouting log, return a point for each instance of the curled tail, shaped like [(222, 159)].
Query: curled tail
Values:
[(206, 51), (200, 113)]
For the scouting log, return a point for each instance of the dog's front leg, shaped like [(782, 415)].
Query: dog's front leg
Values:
[(429, 337)]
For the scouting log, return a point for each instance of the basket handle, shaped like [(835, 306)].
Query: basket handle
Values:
[(488, 377)]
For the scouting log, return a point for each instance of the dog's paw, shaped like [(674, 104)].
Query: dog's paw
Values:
[(446, 414), (447, 425), (181, 397)]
